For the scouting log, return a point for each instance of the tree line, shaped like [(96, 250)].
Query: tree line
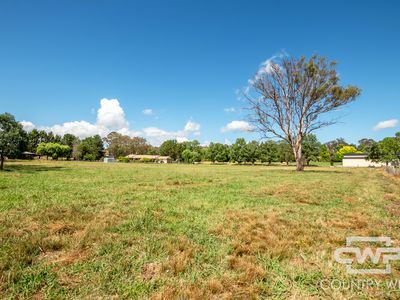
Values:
[(270, 151), (14, 141)]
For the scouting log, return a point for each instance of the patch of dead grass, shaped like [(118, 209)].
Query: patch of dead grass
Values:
[(305, 193), (150, 271), (180, 254)]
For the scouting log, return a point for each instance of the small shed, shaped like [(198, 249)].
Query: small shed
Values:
[(359, 160), (109, 159), (28, 155)]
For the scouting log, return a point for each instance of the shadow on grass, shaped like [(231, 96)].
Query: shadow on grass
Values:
[(30, 168)]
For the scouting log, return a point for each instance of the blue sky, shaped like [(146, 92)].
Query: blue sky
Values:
[(185, 60)]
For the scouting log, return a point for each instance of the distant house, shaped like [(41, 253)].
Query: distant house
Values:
[(359, 160), (144, 157), (28, 155)]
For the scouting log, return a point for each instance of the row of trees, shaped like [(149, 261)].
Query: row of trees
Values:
[(14, 141), (387, 150), (241, 151), (67, 146)]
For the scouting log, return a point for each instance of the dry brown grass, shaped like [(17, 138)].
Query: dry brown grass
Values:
[(150, 271), (180, 255)]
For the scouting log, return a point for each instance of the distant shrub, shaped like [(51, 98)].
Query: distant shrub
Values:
[(89, 156), (346, 150), (123, 159)]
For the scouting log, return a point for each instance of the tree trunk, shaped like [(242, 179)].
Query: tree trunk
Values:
[(298, 156), (2, 162)]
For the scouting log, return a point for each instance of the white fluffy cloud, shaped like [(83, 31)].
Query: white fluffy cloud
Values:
[(28, 126), (111, 117), (81, 129), (386, 124), (156, 135), (147, 111), (237, 126)]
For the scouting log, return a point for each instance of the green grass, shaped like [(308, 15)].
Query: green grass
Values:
[(93, 230)]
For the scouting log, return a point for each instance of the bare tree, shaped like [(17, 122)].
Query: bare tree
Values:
[(288, 96)]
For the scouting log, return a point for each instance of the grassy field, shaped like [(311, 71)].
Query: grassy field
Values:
[(93, 230)]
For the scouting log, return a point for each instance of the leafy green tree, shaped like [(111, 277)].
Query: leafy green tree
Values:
[(290, 99), (11, 137), (237, 153), (170, 148), (122, 145), (375, 153), (333, 147), (365, 145), (196, 156), (310, 148), (118, 144), (268, 152), (153, 150), (217, 152), (389, 149), (223, 153), (55, 150), (71, 141), (191, 145), (190, 156), (285, 153), (33, 140), (346, 150), (45, 137), (187, 155), (91, 148), (41, 150), (250, 152), (324, 153)]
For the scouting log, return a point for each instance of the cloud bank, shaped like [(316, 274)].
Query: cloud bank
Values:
[(111, 117)]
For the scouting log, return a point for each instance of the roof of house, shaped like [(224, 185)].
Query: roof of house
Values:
[(355, 155), (28, 153), (139, 156)]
